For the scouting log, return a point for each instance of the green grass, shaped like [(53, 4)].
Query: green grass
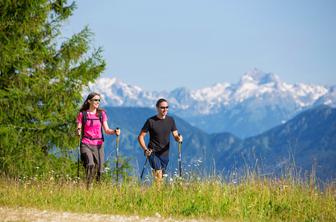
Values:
[(252, 200)]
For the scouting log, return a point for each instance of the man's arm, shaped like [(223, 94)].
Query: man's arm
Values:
[(178, 137), (141, 140)]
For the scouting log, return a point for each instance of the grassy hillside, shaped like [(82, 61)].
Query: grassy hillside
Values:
[(252, 199)]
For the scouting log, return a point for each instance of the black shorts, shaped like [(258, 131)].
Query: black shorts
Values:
[(158, 162)]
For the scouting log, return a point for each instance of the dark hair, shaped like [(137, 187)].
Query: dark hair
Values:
[(86, 104), (160, 101)]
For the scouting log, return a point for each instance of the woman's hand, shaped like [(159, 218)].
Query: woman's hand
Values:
[(117, 131), (111, 131), (79, 131)]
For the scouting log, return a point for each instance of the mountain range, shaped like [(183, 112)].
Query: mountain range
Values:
[(305, 143), (258, 102)]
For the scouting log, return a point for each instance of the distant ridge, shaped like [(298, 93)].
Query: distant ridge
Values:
[(307, 141), (257, 102)]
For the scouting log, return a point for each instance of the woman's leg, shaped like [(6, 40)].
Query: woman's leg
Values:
[(99, 160), (87, 154)]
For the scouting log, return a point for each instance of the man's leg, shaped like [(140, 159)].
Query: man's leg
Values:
[(163, 160), (158, 176), (156, 165)]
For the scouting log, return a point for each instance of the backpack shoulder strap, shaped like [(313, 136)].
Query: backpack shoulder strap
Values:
[(84, 119), (100, 115)]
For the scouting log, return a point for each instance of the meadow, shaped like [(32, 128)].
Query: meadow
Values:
[(251, 199)]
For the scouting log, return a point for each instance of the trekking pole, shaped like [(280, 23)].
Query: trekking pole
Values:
[(180, 157), (109, 156), (78, 162), (117, 156), (143, 169), (78, 156)]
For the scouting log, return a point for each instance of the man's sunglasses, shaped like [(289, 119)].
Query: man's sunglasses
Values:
[(164, 107)]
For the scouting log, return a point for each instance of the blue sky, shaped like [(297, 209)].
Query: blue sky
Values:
[(162, 45)]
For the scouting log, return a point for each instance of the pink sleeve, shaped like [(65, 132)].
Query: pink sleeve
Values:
[(104, 116), (79, 117)]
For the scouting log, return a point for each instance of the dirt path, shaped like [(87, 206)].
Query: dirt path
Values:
[(28, 214)]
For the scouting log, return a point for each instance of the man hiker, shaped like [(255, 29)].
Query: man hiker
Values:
[(91, 121), (159, 127)]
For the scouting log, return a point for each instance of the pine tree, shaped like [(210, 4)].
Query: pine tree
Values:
[(41, 80)]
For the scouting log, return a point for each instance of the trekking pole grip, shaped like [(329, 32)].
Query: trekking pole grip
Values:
[(179, 136), (117, 156)]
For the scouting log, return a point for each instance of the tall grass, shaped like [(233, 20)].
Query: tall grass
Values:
[(253, 199)]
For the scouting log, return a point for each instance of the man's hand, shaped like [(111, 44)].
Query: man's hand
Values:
[(180, 139), (148, 152), (177, 136)]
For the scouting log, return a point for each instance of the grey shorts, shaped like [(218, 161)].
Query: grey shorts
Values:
[(93, 155)]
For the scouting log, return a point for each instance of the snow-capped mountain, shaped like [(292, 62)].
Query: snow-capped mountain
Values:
[(256, 103), (328, 98), (117, 93)]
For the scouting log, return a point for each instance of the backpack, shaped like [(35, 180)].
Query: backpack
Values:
[(85, 118)]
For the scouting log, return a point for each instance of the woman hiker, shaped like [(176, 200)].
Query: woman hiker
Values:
[(91, 121)]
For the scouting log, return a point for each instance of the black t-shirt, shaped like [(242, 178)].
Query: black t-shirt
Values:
[(159, 133)]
